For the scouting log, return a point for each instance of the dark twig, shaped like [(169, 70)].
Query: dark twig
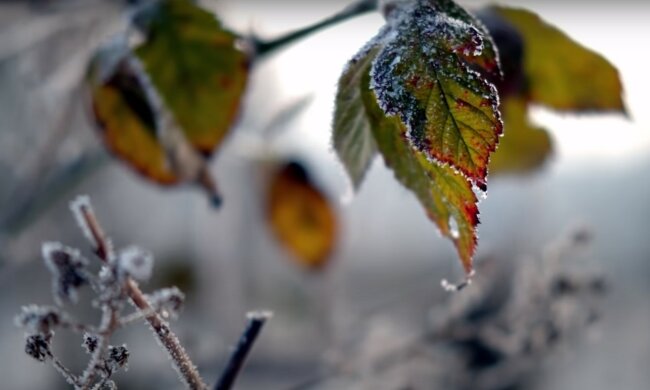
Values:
[(263, 48), (256, 321)]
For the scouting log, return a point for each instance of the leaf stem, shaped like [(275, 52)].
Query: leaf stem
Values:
[(263, 48), (256, 321)]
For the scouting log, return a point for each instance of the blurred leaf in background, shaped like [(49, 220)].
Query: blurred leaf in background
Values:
[(542, 65), (300, 217), (165, 107)]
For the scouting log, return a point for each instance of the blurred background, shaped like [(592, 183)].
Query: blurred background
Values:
[(584, 214)]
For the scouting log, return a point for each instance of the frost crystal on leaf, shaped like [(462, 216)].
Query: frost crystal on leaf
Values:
[(136, 262), (68, 270), (425, 75)]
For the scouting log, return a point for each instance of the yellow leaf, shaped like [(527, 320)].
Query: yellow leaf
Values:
[(561, 73), (127, 125), (523, 147), (300, 217)]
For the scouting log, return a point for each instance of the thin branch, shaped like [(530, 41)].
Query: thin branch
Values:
[(106, 328), (256, 321), (263, 48), (180, 358), (63, 370), (168, 339)]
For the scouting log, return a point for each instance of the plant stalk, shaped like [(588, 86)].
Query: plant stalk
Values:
[(263, 48)]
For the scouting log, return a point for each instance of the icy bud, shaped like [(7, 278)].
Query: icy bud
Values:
[(168, 301), (38, 319), (68, 270), (118, 357), (108, 385), (38, 346), (90, 343), (80, 208), (136, 263)]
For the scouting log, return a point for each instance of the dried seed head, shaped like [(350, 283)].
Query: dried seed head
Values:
[(68, 270), (118, 357), (38, 319), (90, 343), (38, 346)]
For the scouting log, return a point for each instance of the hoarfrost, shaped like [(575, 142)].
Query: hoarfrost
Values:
[(80, 206), (136, 262), (38, 319)]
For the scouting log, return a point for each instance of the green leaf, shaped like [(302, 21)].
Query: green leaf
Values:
[(523, 147), (135, 125), (196, 68), (446, 195), (423, 75), (126, 119), (352, 137), (561, 73)]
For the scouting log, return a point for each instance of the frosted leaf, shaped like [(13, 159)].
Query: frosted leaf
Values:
[(38, 319), (136, 262), (351, 136), (444, 193), (424, 75), (68, 270), (453, 228)]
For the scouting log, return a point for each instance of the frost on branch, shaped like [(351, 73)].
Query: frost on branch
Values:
[(167, 301), (136, 263), (115, 285)]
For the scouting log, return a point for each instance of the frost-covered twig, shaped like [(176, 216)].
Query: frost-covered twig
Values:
[(115, 284), (256, 321), (103, 247)]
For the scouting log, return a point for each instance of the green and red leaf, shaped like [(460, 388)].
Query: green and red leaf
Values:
[(423, 74), (446, 195)]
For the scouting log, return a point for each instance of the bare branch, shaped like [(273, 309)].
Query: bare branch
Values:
[(256, 321)]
